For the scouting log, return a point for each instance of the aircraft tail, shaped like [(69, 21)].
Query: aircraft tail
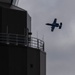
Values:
[(60, 25)]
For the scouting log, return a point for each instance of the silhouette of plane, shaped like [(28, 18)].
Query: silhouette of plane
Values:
[(54, 24)]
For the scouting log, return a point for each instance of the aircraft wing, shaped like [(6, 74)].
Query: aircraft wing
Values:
[(48, 24), (55, 20), (52, 28)]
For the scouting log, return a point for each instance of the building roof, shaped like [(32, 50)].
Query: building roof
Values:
[(6, 5)]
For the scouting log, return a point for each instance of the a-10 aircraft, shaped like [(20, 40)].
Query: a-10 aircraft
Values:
[(54, 24)]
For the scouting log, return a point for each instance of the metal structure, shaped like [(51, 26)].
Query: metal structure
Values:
[(17, 39), (15, 2), (11, 2)]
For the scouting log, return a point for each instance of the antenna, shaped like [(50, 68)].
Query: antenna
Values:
[(37, 34), (43, 38)]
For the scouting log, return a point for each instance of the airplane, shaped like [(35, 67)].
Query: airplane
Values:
[(55, 24)]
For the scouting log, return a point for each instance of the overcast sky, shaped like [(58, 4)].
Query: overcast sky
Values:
[(60, 44)]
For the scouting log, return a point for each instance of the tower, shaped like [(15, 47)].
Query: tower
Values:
[(21, 54)]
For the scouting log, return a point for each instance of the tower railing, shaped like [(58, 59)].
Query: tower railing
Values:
[(18, 39)]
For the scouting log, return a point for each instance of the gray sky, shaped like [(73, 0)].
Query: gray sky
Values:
[(60, 44)]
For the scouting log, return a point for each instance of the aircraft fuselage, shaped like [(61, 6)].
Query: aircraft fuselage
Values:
[(55, 25)]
